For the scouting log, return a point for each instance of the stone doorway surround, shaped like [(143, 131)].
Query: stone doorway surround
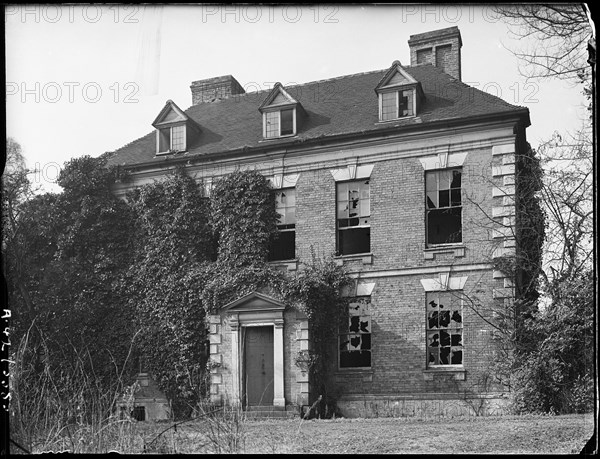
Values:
[(252, 310)]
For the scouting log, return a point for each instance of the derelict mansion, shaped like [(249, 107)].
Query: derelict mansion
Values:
[(407, 176)]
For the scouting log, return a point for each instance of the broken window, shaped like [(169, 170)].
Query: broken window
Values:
[(355, 335), (443, 206), (354, 217), (396, 104), (444, 329), (283, 247)]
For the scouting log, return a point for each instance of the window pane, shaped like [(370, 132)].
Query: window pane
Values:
[(287, 121), (444, 226), (431, 182), (444, 198), (272, 120), (355, 336), (164, 139), (406, 103), (407, 108), (456, 201), (389, 110), (177, 143), (444, 179), (432, 200), (456, 179), (283, 246), (355, 240), (443, 201)]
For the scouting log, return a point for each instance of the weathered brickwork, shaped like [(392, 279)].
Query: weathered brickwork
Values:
[(355, 135)]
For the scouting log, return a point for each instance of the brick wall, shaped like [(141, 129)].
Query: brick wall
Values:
[(440, 48)]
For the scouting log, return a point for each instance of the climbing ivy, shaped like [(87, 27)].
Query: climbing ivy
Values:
[(317, 292), (166, 282)]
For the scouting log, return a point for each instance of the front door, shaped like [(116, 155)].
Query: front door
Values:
[(258, 366)]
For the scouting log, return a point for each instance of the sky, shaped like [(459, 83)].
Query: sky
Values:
[(84, 80)]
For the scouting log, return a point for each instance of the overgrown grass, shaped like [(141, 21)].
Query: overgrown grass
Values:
[(67, 408)]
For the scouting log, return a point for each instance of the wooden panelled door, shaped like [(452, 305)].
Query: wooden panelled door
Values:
[(258, 368)]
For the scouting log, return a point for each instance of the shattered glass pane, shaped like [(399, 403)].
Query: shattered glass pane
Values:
[(456, 317), (444, 318), (444, 338), (432, 199), (444, 353), (354, 342), (456, 339), (354, 324), (433, 339), (456, 357), (433, 319), (365, 325)]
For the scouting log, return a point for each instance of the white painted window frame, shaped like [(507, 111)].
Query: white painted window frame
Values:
[(170, 150), (278, 110)]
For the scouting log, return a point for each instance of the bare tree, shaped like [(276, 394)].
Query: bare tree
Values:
[(560, 32), (567, 195)]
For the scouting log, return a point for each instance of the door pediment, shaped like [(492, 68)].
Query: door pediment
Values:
[(254, 302)]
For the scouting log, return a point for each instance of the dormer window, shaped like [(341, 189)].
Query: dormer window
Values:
[(281, 114), (399, 94), (280, 123), (171, 139), (397, 104), (175, 131)]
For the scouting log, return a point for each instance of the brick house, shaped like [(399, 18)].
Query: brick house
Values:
[(407, 175)]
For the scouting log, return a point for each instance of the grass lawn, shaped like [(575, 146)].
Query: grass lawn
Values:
[(470, 435)]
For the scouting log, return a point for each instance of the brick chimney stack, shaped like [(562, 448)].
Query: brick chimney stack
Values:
[(440, 48), (217, 88)]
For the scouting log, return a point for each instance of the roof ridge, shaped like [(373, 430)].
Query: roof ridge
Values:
[(267, 91)]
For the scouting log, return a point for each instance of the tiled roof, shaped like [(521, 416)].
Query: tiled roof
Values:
[(335, 107)]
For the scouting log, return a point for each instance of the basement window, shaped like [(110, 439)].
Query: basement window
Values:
[(355, 335), (444, 329), (396, 104), (283, 247), (139, 413), (443, 206), (353, 217), (171, 139)]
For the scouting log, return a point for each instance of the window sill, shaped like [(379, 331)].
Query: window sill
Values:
[(395, 120), (458, 250), (268, 139), (290, 265), (173, 152), (367, 258), (459, 373)]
